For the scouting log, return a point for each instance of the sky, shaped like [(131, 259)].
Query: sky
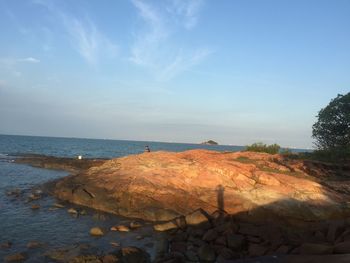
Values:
[(235, 71)]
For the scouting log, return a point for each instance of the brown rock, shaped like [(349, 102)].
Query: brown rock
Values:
[(134, 255), (135, 224), (72, 211), (110, 258), (342, 248), (34, 244), (18, 257), (226, 226), (181, 222), (315, 249), (179, 247), (115, 244), (164, 185), (235, 242), (221, 240), (320, 236), (165, 226), (197, 217), (191, 256), (226, 253), (120, 228), (334, 231), (58, 205), (206, 253), (179, 236), (35, 207), (210, 235), (6, 245), (85, 258), (256, 250), (96, 231), (282, 250)]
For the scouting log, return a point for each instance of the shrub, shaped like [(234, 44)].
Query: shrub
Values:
[(261, 147)]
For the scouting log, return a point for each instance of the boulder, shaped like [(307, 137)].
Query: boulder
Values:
[(256, 250), (196, 218), (206, 253), (235, 242), (34, 244), (72, 211), (210, 235), (134, 255), (120, 228), (342, 248), (86, 258), (18, 257), (191, 255), (221, 240), (179, 247), (165, 226), (58, 205), (35, 207), (226, 253), (6, 245), (110, 258), (115, 244), (315, 249), (96, 231), (135, 224)]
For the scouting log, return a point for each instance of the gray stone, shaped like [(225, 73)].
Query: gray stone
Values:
[(342, 248), (235, 242), (315, 249), (206, 253), (210, 235)]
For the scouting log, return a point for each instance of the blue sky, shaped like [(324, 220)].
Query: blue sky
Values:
[(236, 71)]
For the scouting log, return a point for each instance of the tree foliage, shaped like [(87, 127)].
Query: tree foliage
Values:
[(261, 147), (332, 129)]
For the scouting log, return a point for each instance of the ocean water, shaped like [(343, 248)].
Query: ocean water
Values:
[(20, 224)]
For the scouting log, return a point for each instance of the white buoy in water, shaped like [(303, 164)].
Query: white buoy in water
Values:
[(80, 157)]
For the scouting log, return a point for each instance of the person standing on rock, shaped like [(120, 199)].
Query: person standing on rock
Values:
[(147, 149)]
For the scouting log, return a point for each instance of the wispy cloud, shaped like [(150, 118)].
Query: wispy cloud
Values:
[(84, 34), (10, 65), (11, 62), (154, 47), (188, 10), (29, 60), (87, 39)]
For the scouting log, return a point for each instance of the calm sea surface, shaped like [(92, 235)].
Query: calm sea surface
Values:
[(20, 224)]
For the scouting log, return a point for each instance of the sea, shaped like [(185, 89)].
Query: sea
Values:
[(56, 228)]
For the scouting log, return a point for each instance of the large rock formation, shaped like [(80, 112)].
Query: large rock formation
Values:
[(159, 186)]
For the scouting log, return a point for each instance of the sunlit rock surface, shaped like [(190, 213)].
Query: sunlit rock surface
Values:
[(159, 186)]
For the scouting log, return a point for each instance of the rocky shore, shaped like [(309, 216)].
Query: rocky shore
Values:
[(223, 207)]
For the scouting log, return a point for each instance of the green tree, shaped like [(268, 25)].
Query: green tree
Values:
[(261, 147), (332, 129)]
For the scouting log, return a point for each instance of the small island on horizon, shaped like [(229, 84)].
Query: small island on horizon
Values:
[(210, 142)]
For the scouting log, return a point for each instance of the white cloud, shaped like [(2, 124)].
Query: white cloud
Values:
[(29, 60), (154, 47)]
